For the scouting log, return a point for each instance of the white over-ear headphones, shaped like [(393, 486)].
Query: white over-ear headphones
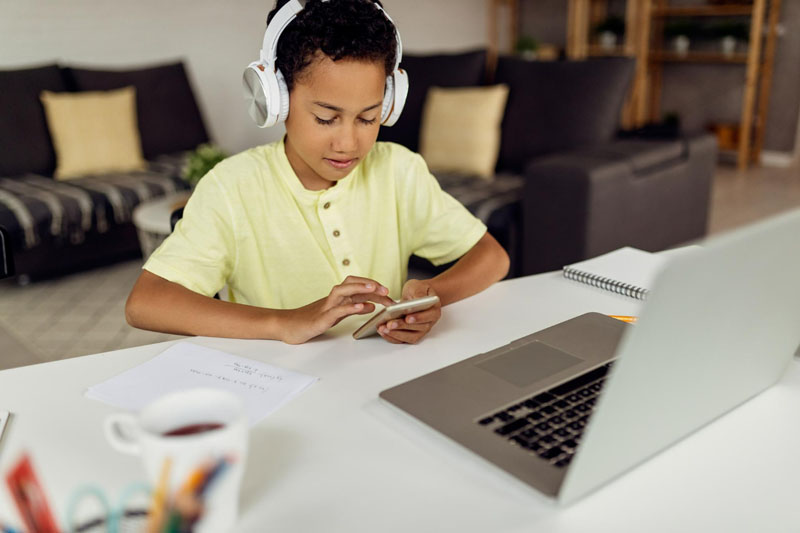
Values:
[(265, 88)]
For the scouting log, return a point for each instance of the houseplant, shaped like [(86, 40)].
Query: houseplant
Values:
[(526, 46), (200, 161)]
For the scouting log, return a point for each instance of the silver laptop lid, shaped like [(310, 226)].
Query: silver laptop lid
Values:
[(720, 326)]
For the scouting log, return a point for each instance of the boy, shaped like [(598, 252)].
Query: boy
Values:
[(283, 224)]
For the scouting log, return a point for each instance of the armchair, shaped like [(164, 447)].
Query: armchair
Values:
[(568, 185)]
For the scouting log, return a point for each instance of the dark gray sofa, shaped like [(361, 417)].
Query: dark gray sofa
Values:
[(57, 227), (568, 185)]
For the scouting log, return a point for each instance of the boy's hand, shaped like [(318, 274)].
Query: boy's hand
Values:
[(413, 327), (351, 297)]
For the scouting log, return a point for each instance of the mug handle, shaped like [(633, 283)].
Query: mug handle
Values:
[(122, 432)]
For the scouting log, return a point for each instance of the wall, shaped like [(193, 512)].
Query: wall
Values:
[(216, 38)]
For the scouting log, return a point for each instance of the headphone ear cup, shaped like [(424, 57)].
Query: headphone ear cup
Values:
[(255, 93), (388, 99), (263, 94), (395, 99), (282, 105)]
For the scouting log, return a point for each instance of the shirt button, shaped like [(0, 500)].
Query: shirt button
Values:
[(346, 262), (336, 233), (327, 205)]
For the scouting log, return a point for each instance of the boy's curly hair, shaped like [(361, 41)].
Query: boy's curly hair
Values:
[(341, 29)]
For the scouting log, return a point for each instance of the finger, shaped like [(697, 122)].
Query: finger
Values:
[(428, 316), (367, 309), (394, 325), (416, 289), (346, 290), (335, 314), (403, 336), (358, 279), (372, 297), (383, 332)]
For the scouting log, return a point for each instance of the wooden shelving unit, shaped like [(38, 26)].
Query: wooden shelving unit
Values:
[(758, 62), (644, 40), (509, 8), (583, 15)]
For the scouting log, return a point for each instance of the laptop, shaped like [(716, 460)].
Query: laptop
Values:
[(571, 407)]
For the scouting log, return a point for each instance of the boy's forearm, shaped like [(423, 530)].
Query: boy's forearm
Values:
[(485, 264), (159, 305)]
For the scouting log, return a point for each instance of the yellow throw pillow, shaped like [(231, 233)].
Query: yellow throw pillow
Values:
[(461, 129), (94, 132)]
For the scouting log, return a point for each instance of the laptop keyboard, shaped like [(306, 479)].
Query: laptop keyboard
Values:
[(550, 424)]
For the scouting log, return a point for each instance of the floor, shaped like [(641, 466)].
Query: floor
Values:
[(84, 313), (70, 316), (740, 198)]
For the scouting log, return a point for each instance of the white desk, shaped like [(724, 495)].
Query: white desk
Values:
[(339, 459)]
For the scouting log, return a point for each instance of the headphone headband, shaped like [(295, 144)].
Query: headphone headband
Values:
[(289, 11), (285, 15), (265, 87)]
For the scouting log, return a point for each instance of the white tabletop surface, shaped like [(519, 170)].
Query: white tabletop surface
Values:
[(337, 458)]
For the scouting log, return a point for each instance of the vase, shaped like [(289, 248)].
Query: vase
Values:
[(607, 40), (680, 44), (728, 45)]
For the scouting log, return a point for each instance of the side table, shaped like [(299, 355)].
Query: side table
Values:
[(152, 220)]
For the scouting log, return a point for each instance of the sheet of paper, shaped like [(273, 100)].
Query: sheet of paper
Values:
[(263, 387)]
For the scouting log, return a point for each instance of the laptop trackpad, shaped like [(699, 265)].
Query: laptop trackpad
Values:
[(529, 363)]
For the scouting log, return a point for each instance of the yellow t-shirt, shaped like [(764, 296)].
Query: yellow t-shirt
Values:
[(250, 223)]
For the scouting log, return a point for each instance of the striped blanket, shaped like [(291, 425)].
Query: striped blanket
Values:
[(483, 197), (36, 209)]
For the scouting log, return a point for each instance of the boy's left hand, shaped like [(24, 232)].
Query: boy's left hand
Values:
[(413, 327)]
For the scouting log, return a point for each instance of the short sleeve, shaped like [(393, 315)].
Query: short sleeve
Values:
[(200, 252), (441, 228)]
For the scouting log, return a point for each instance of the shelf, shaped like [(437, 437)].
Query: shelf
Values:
[(619, 50), (697, 57), (704, 11), (645, 21)]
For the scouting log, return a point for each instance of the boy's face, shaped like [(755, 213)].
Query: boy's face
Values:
[(334, 117)]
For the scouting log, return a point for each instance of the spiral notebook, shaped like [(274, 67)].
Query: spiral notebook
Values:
[(628, 271)]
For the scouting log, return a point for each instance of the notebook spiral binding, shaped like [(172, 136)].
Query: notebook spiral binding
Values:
[(608, 284)]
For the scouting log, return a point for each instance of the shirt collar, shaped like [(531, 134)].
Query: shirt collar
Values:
[(304, 195)]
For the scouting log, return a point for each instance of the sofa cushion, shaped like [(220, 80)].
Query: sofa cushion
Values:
[(455, 141), (555, 105), (169, 119), (25, 144), (94, 132), (442, 70)]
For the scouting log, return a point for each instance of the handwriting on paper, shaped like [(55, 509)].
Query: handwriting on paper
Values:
[(262, 387), (234, 381)]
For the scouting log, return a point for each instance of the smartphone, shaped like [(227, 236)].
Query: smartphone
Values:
[(406, 307)]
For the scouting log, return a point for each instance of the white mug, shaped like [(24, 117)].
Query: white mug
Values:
[(145, 434)]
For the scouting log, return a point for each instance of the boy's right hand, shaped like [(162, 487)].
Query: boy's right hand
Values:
[(354, 296)]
